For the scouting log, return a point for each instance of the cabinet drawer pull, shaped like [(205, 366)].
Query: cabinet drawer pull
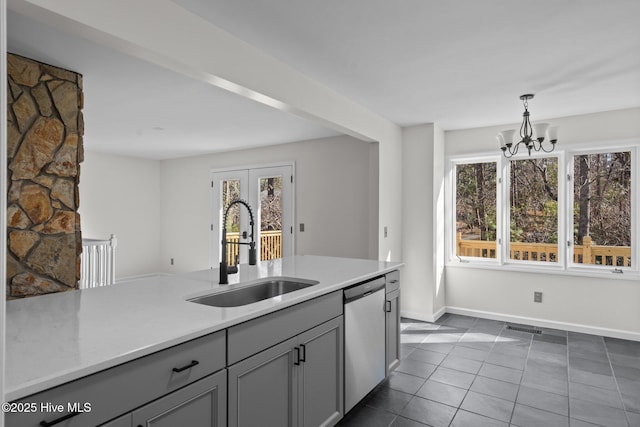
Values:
[(296, 360), (184, 368), (303, 353), (58, 420)]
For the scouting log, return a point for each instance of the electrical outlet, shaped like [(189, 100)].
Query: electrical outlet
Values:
[(537, 297), (301, 227)]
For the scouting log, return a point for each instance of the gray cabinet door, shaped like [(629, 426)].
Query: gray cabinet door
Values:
[(201, 404), (263, 388), (321, 374), (392, 307)]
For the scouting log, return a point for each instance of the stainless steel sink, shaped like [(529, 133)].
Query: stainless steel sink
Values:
[(253, 293)]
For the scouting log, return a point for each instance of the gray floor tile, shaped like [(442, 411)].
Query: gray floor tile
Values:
[(443, 393), (558, 338), (526, 416), (548, 358), (629, 387), (589, 378), (598, 356), (623, 347), (452, 377), (624, 360), (488, 406), (634, 419), (501, 373), (597, 414), (429, 412), (444, 337), (495, 388), (536, 367), (437, 347), (460, 321), (579, 423), (631, 402), (413, 339), (461, 364), (469, 352), (514, 348), (596, 395), (544, 400), (426, 356), (548, 347), (366, 416), (404, 382), (406, 422), (509, 361), (546, 382), (388, 399), (416, 368), (467, 419), (628, 372), (592, 366)]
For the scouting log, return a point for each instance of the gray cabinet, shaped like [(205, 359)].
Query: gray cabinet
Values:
[(201, 404), (392, 308), (298, 382)]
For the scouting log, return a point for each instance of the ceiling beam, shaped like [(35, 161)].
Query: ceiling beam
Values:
[(170, 36)]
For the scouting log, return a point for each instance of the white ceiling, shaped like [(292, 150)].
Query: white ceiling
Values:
[(459, 63)]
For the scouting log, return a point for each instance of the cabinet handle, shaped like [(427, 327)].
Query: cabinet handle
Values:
[(296, 360), (303, 357), (58, 420), (184, 368), (387, 306)]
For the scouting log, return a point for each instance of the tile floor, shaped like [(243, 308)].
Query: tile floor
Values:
[(463, 371)]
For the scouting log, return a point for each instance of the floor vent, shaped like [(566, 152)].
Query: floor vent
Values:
[(524, 328)]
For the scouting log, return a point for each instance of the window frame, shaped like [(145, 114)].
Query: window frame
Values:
[(578, 267), (565, 264)]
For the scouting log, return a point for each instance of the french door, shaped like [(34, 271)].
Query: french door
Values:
[(269, 192)]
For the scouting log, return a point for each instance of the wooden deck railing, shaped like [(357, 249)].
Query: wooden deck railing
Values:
[(270, 245), (587, 253)]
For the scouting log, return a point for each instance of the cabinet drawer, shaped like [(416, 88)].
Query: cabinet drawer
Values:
[(258, 334), (393, 281), (122, 388)]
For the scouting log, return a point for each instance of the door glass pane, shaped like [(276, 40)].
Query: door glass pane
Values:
[(270, 217), (602, 209), (534, 210), (229, 192), (476, 210)]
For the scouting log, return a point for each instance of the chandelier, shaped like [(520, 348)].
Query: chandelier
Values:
[(531, 136)]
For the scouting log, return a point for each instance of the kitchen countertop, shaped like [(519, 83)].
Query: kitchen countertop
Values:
[(53, 339)]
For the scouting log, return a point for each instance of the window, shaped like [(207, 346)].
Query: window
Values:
[(476, 209), (602, 209), (533, 210), (572, 210)]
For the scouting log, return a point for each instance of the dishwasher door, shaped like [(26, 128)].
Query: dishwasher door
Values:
[(364, 364)]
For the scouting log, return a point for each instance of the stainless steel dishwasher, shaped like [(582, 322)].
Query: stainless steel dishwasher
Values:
[(364, 338)]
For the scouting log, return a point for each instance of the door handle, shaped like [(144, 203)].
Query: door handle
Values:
[(387, 306), (58, 420), (303, 353), (296, 356)]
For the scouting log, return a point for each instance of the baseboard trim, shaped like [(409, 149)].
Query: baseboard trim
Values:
[(573, 327), (423, 317)]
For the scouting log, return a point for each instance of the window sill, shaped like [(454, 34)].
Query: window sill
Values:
[(556, 270)]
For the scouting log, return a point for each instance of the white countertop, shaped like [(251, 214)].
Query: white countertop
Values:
[(56, 338)]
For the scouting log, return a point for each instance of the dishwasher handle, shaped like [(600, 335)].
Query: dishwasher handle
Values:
[(363, 289)]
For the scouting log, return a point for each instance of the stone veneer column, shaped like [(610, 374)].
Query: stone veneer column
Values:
[(44, 151)]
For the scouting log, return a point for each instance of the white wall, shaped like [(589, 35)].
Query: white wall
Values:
[(333, 199), (121, 195), (607, 306), (423, 291)]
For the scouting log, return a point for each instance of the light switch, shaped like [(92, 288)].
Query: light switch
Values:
[(301, 227)]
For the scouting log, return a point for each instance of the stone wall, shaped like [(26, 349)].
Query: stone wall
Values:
[(44, 151)]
